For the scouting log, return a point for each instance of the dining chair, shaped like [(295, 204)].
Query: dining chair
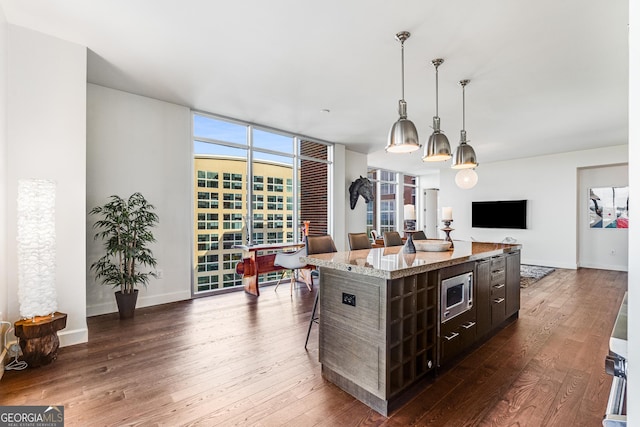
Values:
[(374, 235), (419, 235), (317, 245), (292, 264), (392, 238), (359, 241)]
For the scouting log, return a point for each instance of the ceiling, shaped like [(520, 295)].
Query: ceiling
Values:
[(547, 76)]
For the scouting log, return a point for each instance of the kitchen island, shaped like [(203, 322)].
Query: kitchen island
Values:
[(383, 327)]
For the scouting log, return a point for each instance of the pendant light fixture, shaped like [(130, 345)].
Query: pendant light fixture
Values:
[(438, 148), (403, 136), (465, 157), (466, 178)]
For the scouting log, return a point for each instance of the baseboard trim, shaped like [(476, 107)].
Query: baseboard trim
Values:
[(73, 337), (143, 301)]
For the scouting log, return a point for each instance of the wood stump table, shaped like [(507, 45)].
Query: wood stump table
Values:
[(39, 339)]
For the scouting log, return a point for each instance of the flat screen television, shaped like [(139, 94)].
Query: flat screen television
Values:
[(499, 214)]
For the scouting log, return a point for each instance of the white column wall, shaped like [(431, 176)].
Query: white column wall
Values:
[(633, 403), (549, 183), (141, 144), (338, 206), (4, 286), (46, 138), (356, 219)]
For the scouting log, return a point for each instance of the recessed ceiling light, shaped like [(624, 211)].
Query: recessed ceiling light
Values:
[(325, 110)]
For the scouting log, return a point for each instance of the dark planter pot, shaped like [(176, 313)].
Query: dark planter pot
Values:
[(127, 304)]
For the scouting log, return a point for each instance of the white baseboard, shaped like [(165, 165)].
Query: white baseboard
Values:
[(72, 337), (143, 301), (606, 267), (548, 263)]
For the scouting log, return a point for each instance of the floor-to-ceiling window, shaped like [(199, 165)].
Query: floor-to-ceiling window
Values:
[(391, 190), (252, 186)]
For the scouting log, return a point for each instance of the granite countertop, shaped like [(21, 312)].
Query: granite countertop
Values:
[(392, 262)]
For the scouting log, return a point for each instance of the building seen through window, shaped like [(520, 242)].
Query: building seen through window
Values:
[(285, 183)]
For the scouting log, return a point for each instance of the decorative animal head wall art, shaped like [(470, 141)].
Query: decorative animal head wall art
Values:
[(360, 187)]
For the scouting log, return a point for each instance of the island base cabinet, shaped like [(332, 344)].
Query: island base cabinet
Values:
[(457, 335), (377, 336)]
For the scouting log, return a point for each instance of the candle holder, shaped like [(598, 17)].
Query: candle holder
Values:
[(409, 247), (447, 230)]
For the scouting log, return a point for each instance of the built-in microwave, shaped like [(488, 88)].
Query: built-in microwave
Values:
[(456, 296)]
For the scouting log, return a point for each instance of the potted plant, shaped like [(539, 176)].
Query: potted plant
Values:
[(125, 227)]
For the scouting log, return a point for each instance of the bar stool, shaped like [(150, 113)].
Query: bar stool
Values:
[(419, 235), (359, 241), (392, 238), (291, 262), (317, 245)]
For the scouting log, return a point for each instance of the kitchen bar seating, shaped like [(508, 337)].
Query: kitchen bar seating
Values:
[(291, 262), (359, 241), (392, 238), (317, 245)]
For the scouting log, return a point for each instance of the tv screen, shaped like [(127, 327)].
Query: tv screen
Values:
[(499, 214)]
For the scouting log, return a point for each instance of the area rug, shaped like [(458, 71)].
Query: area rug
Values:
[(529, 274)]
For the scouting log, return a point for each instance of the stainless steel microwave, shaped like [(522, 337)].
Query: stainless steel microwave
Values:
[(456, 296)]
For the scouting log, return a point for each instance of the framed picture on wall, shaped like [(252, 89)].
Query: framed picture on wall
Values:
[(609, 207)]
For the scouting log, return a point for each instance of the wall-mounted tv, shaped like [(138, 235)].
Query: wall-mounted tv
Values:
[(499, 214)]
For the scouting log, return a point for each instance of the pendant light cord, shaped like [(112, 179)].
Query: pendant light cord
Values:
[(437, 91), (463, 108), (402, 68)]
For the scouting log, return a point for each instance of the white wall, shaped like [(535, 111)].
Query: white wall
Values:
[(605, 248), (549, 183), (356, 219), (46, 131), (4, 286), (338, 206), (141, 144), (633, 404)]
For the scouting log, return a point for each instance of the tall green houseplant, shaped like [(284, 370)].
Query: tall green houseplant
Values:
[(125, 227)]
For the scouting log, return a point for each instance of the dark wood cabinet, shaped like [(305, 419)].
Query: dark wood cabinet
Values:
[(483, 297), (512, 282), (497, 281), (457, 335), (460, 332)]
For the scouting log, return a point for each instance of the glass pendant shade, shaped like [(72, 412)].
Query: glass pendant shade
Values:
[(403, 136), (466, 179)]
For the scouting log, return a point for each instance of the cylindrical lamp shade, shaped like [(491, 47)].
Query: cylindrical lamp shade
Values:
[(409, 212), (466, 179), (447, 214), (36, 247)]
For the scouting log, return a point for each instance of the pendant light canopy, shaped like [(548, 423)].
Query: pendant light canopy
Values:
[(465, 157), (403, 136), (438, 148)]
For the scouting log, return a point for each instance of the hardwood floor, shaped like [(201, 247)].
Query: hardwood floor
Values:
[(234, 359)]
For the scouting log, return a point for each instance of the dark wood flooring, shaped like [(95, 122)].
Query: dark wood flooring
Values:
[(234, 359)]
